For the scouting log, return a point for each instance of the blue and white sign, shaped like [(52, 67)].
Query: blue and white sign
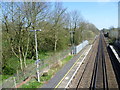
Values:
[(37, 61)]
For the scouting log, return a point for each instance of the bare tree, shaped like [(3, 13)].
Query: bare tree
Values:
[(13, 27), (57, 22), (75, 20), (19, 18)]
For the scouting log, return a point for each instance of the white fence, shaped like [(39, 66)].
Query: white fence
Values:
[(79, 47)]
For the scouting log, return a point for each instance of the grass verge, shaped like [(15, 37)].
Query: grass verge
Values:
[(44, 79)]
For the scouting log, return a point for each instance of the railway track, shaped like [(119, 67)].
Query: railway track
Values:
[(97, 71), (83, 77), (99, 76)]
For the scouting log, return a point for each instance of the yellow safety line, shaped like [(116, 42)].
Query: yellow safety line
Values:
[(67, 72)]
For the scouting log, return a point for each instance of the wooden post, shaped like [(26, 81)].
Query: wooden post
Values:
[(14, 82)]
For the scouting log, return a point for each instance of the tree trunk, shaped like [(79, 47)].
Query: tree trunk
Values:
[(25, 62), (55, 47), (21, 65), (25, 55), (55, 44)]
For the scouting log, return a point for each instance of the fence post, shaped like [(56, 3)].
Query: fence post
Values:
[(14, 82), (18, 74)]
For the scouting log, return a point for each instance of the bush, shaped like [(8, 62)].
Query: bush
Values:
[(8, 71), (111, 41)]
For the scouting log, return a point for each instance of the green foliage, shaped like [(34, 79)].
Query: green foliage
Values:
[(85, 31), (5, 77), (33, 84), (65, 60), (111, 41), (43, 55), (43, 79), (30, 61), (63, 40), (19, 44), (36, 84), (8, 70), (11, 65), (46, 78)]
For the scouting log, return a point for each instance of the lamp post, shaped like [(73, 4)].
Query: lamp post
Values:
[(37, 60), (72, 41)]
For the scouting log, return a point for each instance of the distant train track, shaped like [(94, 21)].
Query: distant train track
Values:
[(99, 77), (97, 72)]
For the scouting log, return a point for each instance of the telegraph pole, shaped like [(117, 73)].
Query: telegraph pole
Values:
[(72, 41), (37, 60), (38, 76)]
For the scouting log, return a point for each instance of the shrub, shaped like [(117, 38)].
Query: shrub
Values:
[(8, 71)]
